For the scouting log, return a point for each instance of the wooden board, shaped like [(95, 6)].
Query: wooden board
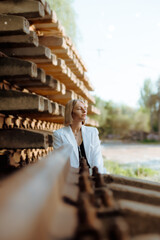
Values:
[(20, 138), (53, 42), (29, 40), (13, 68), (28, 9), (36, 54), (19, 102), (12, 25)]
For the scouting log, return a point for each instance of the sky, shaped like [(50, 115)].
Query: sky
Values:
[(119, 41)]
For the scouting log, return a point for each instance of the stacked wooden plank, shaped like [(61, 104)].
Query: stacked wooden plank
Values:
[(40, 71)]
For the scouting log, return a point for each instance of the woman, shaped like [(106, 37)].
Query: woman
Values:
[(85, 140)]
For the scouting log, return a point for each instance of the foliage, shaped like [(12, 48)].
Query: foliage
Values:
[(67, 16), (120, 120), (145, 93), (140, 172)]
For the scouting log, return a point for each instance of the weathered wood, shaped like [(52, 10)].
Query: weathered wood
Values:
[(50, 87), (135, 194), (19, 102), (42, 1), (57, 119), (63, 88), (51, 109), (21, 138), (147, 237), (52, 42), (64, 98), (141, 218), (28, 9), (48, 65), (13, 68), (46, 19), (11, 25), (27, 82), (29, 40), (61, 110), (35, 54), (2, 117), (45, 178), (134, 182), (8, 121), (51, 27)]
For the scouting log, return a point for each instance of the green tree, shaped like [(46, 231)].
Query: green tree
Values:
[(145, 94), (67, 16)]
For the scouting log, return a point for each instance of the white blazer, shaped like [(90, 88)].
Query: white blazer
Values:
[(91, 145)]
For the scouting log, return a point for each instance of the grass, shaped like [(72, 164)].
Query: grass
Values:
[(139, 172), (146, 141)]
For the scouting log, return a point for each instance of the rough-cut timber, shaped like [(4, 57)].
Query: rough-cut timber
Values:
[(20, 138), (27, 82), (28, 40), (135, 194), (18, 102), (63, 99), (35, 54), (53, 42), (13, 68), (12, 25), (28, 9), (50, 87), (134, 182)]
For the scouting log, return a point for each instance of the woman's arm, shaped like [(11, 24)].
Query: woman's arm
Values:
[(57, 142), (96, 152)]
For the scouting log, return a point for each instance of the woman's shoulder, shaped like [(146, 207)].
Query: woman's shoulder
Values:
[(91, 129)]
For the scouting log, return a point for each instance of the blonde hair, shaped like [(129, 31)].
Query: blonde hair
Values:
[(68, 111)]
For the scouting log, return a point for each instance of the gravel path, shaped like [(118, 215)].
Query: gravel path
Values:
[(130, 152)]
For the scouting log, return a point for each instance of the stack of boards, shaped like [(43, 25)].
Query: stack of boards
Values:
[(40, 71)]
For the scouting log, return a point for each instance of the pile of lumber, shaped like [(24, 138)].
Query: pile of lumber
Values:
[(40, 71)]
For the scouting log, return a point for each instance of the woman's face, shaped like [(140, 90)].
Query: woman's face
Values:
[(79, 112)]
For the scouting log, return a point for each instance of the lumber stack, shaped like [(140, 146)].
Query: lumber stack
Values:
[(40, 71)]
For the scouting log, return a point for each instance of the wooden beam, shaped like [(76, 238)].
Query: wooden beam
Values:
[(20, 138), (49, 28), (14, 68), (51, 109), (29, 40), (27, 9), (50, 87), (19, 102), (46, 178), (35, 54), (27, 82), (42, 1), (63, 99), (12, 25), (53, 42), (52, 18)]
